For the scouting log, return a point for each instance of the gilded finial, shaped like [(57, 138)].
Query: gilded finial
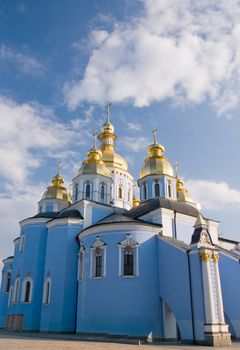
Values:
[(155, 136), (108, 105), (58, 172), (176, 167)]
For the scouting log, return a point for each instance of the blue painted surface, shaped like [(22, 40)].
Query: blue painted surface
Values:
[(121, 305), (174, 288), (229, 267), (4, 295)]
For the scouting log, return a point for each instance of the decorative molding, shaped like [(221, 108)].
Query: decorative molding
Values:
[(215, 257), (205, 256)]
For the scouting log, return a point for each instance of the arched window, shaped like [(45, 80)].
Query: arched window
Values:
[(27, 290), (157, 189), (16, 290), (7, 282), (22, 243), (87, 192), (169, 189), (47, 291), (120, 192), (76, 192), (144, 191), (102, 191), (98, 259), (128, 257)]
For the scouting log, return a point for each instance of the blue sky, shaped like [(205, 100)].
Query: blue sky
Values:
[(166, 64)]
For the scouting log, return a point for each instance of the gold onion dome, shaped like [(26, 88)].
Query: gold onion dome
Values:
[(157, 163), (94, 163), (56, 190), (107, 137), (182, 193)]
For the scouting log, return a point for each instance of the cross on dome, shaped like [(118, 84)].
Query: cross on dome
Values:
[(107, 106), (155, 136)]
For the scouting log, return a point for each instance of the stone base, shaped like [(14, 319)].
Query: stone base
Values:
[(217, 339)]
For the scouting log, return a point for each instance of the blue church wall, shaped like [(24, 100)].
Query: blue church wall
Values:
[(61, 266), (30, 262), (4, 294), (174, 286), (229, 267), (198, 295), (126, 305)]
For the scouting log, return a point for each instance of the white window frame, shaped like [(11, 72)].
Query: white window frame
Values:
[(98, 244), (10, 296), (81, 262), (128, 241), (16, 290), (47, 297), (84, 190), (24, 286), (22, 243)]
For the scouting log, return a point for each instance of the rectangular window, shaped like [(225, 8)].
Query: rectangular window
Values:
[(98, 266), (128, 265)]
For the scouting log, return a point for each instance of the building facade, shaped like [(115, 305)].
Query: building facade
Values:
[(102, 261)]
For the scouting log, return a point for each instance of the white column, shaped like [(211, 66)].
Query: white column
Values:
[(105, 262), (119, 261), (137, 261), (207, 286), (91, 262), (218, 288)]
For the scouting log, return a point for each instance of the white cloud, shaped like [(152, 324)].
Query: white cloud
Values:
[(136, 144), (134, 126), (214, 195), (186, 51), (23, 62)]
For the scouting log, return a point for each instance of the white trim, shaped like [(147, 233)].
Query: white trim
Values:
[(98, 244), (16, 290), (81, 263), (33, 221), (47, 297), (23, 293), (122, 226), (64, 221), (128, 241), (21, 243), (10, 296)]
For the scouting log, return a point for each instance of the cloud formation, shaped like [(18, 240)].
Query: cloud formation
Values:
[(22, 62), (183, 50), (214, 195)]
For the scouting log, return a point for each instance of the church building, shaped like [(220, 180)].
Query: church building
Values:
[(101, 261)]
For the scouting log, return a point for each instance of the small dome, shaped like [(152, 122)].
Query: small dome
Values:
[(56, 190), (182, 193), (157, 163), (94, 164), (108, 127)]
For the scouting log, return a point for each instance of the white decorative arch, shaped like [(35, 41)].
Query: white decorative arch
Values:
[(27, 287), (98, 259), (128, 247), (47, 290), (16, 288)]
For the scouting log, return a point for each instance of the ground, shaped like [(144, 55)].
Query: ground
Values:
[(10, 341)]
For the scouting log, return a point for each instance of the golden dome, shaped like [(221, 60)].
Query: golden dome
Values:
[(94, 164), (56, 190), (182, 193), (157, 163), (109, 156)]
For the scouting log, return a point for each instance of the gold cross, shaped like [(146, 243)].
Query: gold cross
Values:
[(108, 105), (59, 162), (176, 166), (155, 136)]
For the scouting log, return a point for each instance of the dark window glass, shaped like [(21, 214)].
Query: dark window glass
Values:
[(169, 190), (102, 192), (144, 191), (76, 192), (98, 266), (88, 191), (157, 190), (8, 281), (47, 292), (128, 265), (27, 292), (119, 192)]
